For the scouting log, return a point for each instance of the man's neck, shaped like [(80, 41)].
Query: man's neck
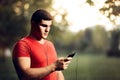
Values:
[(41, 40)]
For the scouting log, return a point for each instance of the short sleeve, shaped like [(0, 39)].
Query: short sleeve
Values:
[(21, 49)]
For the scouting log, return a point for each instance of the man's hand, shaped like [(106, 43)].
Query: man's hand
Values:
[(62, 63)]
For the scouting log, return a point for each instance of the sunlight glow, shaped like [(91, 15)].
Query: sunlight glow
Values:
[(81, 15), (58, 18)]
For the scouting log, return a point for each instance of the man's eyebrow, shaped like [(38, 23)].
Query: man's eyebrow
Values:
[(44, 25)]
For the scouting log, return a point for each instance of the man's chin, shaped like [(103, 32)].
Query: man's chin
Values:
[(44, 37)]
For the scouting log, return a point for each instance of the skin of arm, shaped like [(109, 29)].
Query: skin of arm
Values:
[(32, 73), (60, 75), (37, 73)]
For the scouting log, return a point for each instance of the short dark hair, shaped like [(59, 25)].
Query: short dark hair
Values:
[(40, 15)]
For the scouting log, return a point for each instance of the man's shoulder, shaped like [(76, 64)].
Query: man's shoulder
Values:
[(22, 40), (48, 42)]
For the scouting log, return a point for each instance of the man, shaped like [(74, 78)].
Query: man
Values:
[(34, 57)]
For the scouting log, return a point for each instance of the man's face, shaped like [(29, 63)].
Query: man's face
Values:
[(44, 28)]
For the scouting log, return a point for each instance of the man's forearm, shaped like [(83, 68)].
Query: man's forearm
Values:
[(37, 73), (60, 75)]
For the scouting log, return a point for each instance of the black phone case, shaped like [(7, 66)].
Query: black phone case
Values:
[(72, 54)]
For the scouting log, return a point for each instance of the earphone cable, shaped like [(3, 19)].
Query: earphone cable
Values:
[(76, 68)]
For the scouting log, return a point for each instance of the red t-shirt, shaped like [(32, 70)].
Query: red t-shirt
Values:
[(40, 54)]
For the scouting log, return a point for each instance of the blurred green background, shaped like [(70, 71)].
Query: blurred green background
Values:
[(98, 49)]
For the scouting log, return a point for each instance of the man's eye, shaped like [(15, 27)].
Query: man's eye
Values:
[(44, 25)]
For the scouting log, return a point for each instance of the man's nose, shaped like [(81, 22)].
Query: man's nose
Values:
[(47, 29)]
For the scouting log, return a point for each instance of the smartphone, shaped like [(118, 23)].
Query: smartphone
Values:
[(72, 54)]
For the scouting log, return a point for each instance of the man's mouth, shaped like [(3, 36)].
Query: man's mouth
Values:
[(45, 34)]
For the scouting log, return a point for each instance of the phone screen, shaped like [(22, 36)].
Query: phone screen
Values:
[(72, 54)]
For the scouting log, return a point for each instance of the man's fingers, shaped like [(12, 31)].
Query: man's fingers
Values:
[(68, 59), (62, 63)]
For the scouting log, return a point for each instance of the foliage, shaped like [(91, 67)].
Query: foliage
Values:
[(111, 9), (94, 39), (114, 49), (90, 2), (15, 19), (100, 40), (12, 25), (87, 39)]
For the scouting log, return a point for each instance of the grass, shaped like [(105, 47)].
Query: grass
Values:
[(7, 71), (93, 67), (82, 67)]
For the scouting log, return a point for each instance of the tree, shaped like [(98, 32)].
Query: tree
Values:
[(99, 42), (12, 23), (112, 11), (93, 39), (86, 40), (114, 44)]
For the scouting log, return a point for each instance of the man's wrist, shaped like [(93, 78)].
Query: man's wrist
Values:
[(51, 68)]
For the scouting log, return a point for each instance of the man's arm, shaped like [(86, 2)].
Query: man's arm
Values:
[(23, 64), (60, 75)]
